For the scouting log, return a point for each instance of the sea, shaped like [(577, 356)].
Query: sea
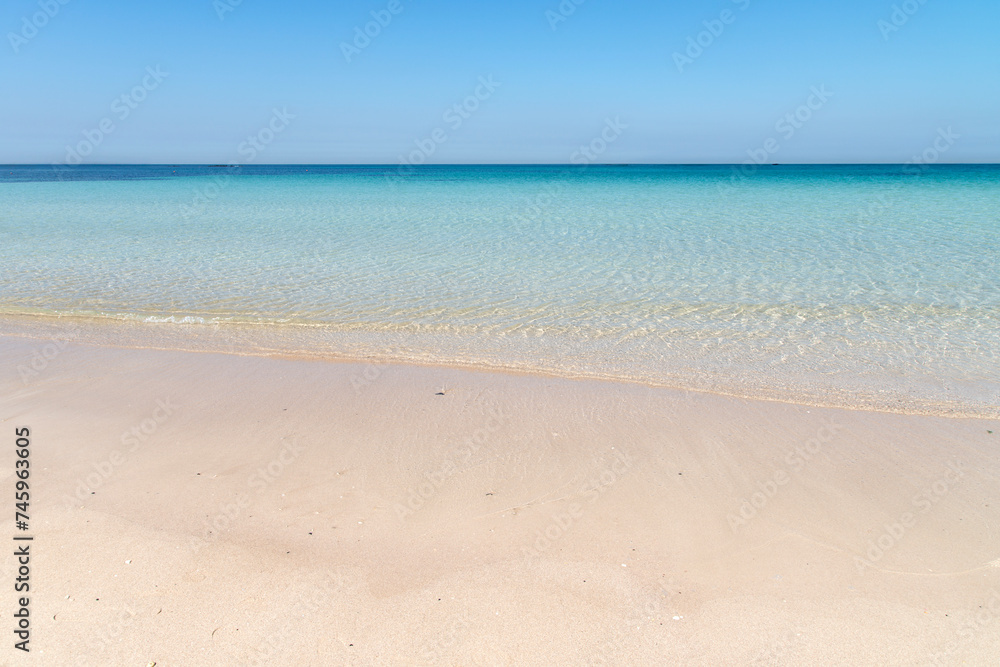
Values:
[(859, 286)]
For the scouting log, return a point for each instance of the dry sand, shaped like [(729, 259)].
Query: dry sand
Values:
[(205, 509)]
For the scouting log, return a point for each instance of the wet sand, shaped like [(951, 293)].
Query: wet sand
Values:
[(202, 509)]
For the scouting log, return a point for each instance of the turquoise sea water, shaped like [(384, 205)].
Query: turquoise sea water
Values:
[(849, 285)]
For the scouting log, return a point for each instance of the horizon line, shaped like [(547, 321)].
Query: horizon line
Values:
[(482, 164)]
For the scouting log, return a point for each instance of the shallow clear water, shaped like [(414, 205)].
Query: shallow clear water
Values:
[(871, 285)]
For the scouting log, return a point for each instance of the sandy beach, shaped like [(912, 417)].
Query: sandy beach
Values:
[(207, 509), (500, 334)]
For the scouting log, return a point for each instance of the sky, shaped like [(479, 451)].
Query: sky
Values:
[(511, 81)]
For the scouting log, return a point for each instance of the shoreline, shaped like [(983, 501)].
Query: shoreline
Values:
[(250, 340), (260, 510)]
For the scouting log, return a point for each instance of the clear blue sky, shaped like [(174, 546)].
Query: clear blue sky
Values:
[(892, 90)]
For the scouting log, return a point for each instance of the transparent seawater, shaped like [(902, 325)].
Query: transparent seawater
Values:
[(873, 286)]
